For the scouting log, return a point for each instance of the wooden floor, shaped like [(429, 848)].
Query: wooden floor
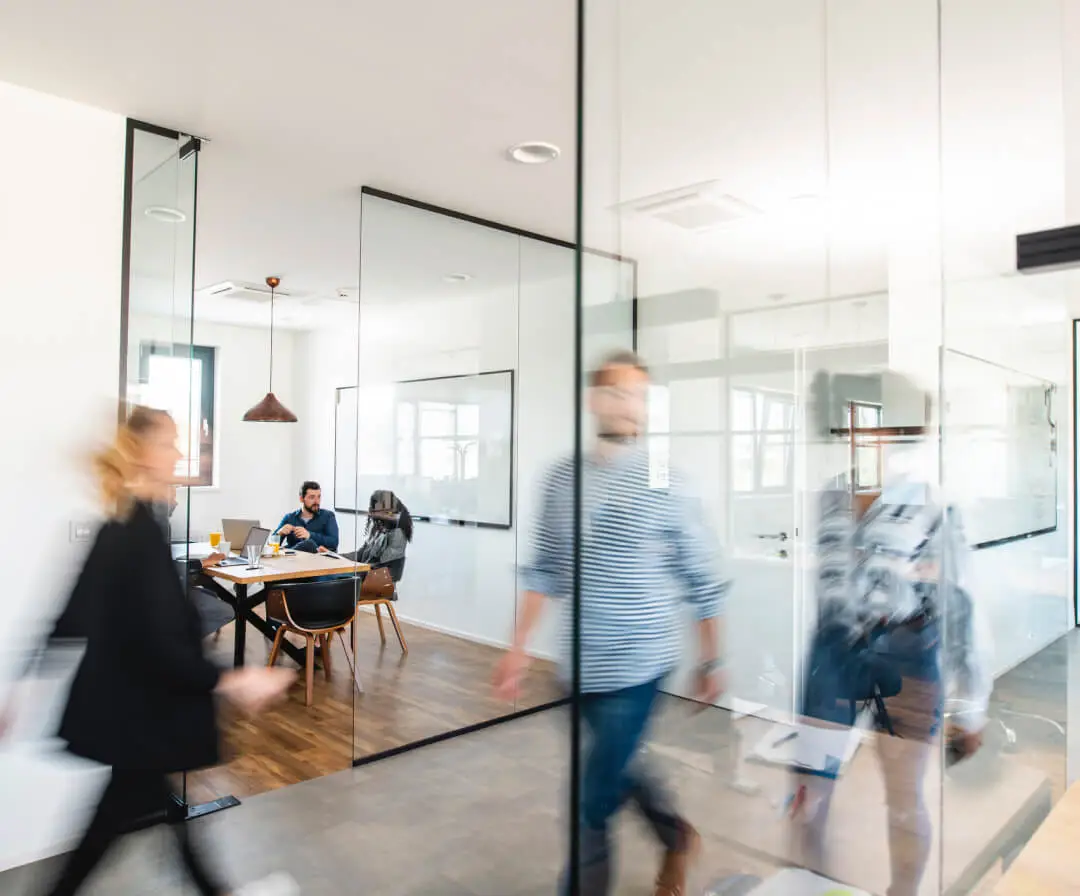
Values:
[(443, 684)]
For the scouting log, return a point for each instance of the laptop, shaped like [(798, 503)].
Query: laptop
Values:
[(255, 537), (236, 531)]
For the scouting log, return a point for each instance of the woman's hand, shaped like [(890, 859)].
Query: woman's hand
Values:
[(253, 689)]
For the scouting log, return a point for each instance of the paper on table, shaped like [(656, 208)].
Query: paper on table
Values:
[(824, 751)]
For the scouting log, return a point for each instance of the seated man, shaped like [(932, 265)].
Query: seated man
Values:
[(310, 527)]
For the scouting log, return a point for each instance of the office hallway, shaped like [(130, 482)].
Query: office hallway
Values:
[(483, 814)]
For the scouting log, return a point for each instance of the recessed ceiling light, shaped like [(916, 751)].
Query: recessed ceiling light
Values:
[(457, 278), (534, 152), (165, 213)]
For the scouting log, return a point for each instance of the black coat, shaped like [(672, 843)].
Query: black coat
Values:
[(142, 696)]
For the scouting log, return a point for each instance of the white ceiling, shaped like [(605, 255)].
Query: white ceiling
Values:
[(303, 105), (832, 99)]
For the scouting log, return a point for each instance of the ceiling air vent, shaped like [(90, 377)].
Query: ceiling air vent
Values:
[(246, 292), (696, 207)]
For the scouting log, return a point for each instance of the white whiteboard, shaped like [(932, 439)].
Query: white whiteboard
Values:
[(999, 449), (445, 446)]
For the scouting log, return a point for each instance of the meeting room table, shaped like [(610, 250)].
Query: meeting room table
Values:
[(278, 568)]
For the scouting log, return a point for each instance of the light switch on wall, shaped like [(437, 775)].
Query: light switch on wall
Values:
[(81, 531)]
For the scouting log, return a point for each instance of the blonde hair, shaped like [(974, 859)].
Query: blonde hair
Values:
[(116, 466)]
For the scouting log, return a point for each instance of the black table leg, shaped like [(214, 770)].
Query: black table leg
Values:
[(244, 615), (240, 628)]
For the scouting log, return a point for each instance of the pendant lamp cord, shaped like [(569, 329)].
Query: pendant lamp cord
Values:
[(271, 389)]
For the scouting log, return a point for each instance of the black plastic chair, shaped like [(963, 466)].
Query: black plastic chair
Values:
[(318, 611)]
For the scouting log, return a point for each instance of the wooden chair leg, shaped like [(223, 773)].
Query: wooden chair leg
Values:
[(378, 616), (326, 655), (309, 670), (397, 628), (278, 638), (350, 658)]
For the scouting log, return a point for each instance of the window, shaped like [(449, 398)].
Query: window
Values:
[(439, 440), (868, 462), (659, 438), (762, 440), (180, 379)]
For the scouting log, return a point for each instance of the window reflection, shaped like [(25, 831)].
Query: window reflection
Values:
[(763, 433), (446, 446)]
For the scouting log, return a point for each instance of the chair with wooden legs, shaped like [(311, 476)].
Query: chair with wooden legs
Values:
[(378, 590), (318, 611)]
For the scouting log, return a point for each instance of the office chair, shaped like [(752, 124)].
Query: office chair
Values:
[(318, 611), (379, 594)]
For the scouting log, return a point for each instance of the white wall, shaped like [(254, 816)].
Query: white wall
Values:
[(254, 463), (61, 209)]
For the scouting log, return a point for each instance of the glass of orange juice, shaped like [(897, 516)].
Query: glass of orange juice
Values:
[(215, 539), (275, 543)]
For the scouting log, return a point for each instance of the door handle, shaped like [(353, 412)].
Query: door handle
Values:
[(779, 536)]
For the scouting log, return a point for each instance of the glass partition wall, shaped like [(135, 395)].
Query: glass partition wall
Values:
[(842, 363), (1006, 406), (842, 356), (464, 403), (159, 367)]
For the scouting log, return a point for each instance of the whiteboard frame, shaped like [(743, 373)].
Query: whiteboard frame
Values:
[(1051, 388), (473, 524)]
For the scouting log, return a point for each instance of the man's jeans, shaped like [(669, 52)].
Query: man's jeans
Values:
[(613, 772)]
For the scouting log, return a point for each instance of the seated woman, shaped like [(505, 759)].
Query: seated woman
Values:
[(389, 531)]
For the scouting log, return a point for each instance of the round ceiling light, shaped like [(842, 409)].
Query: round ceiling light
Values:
[(165, 213), (535, 152), (457, 278)]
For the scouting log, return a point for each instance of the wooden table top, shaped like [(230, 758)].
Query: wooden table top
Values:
[(1047, 866), (287, 567)]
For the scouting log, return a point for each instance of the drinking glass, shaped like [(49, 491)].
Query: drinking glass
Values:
[(275, 544), (215, 539), (252, 551)]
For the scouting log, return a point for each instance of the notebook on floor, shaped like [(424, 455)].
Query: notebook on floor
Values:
[(808, 748), (797, 882)]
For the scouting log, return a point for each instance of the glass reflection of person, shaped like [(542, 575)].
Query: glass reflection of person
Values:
[(642, 542), (388, 531), (895, 616)]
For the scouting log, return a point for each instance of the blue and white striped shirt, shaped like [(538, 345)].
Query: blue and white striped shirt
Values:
[(643, 547)]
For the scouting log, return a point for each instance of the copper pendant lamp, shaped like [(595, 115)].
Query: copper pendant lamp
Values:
[(270, 410)]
